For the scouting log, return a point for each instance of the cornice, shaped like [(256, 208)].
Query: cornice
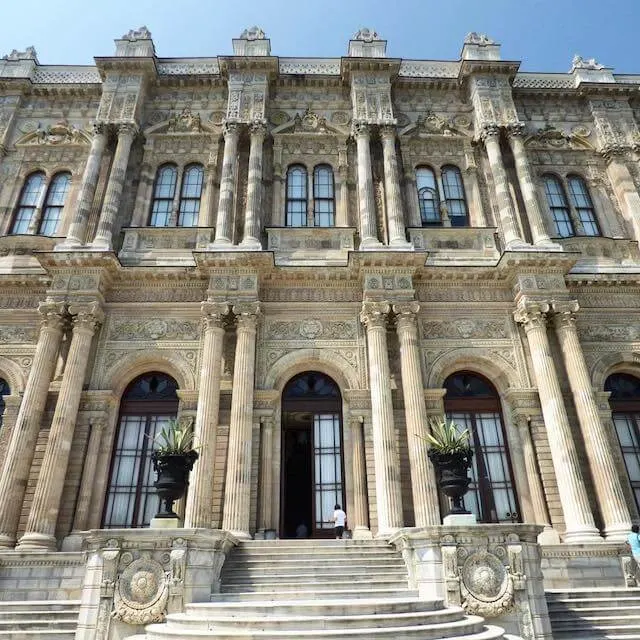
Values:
[(145, 65), (477, 67), (349, 65)]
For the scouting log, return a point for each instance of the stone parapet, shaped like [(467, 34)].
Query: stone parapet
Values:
[(136, 576), (309, 246), (492, 570), (460, 245)]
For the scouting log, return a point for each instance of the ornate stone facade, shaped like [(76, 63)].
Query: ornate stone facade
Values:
[(232, 222)]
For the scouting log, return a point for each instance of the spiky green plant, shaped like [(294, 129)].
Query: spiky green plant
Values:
[(175, 438), (447, 437)]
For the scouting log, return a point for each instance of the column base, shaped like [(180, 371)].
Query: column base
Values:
[(582, 536), (400, 245), (459, 520), (7, 542), (220, 244), (362, 533), (101, 245), (240, 535), (549, 536), (166, 523), (519, 245), (70, 244), (33, 541), (370, 244), (250, 245), (386, 533), (617, 532), (547, 245)]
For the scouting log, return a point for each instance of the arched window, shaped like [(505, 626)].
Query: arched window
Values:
[(147, 405), (557, 201), (29, 199), (164, 191), (190, 196), (4, 391), (473, 403), (296, 209), (428, 197), (581, 201), (54, 204), (324, 205), (625, 407), (454, 196)]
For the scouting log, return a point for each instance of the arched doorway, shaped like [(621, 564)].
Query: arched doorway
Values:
[(147, 405), (473, 403), (312, 462), (625, 410)]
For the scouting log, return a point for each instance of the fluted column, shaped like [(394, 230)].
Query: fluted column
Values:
[(366, 198), (578, 518), (43, 516), (24, 435), (491, 138), (423, 481), (625, 189), (227, 185), (614, 510), (83, 506), (115, 186), (359, 519), (266, 474), (528, 188), (385, 451), (199, 507), (395, 216), (252, 215), (237, 488), (342, 208), (76, 236)]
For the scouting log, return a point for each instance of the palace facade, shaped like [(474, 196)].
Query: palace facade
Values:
[(310, 258)]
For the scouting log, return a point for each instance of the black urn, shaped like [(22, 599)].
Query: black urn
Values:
[(172, 471), (452, 471)]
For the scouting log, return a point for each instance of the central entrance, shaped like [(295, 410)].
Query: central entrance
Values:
[(312, 462)]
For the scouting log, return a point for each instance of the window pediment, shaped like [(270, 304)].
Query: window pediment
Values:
[(183, 122), (432, 124), (57, 134), (309, 123), (550, 137)]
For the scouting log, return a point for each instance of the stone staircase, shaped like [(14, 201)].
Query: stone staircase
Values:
[(47, 619), (595, 614), (329, 589)]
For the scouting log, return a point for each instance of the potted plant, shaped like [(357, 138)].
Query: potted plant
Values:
[(451, 454), (173, 458)]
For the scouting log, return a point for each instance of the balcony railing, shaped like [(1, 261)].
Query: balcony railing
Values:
[(456, 244), (147, 246), (307, 246)]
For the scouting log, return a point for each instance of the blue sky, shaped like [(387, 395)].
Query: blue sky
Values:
[(544, 34)]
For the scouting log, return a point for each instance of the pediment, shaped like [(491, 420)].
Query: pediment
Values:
[(309, 123), (550, 137), (58, 134), (183, 122), (431, 124)]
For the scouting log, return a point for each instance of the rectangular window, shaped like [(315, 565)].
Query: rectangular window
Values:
[(327, 464)]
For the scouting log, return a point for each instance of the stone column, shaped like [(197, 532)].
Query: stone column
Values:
[(43, 516), (359, 519), (423, 480), (395, 216), (411, 198), (625, 189), (83, 506), (266, 474), (342, 206), (113, 195), (253, 211), (224, 220), (385, 451), (615, 514), (507, 213), (199, 508), (580, 527), (366, 198), (528, 188), (76, 236), (237, 488), (205, 215), (24, 435)]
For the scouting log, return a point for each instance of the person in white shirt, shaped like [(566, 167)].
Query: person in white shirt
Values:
[(340, 521)]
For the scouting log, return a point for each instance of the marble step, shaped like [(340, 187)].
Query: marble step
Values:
[(266, 568), (295, 585), (310, 594), (50, 619), (306, 574)]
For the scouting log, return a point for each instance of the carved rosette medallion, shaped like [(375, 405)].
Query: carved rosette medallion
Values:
[(486, 585), (310, 329), (141, 593)]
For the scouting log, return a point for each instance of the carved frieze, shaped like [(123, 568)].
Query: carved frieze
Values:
[(58, 133), (605, 332), (465, 328), (311, 329), (14, 334), (153, 329)]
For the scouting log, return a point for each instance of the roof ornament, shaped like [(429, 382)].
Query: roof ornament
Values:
[(142, 33), (367, 35), (28, 54), (473, 37), (253, 33), (591, 64)]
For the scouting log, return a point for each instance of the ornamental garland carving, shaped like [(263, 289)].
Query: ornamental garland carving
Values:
[(311, 329), (610, 333), (486, 585), (153, 329), (141, 593), (465, 328)]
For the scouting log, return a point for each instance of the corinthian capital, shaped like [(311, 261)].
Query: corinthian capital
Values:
[(388, 132), (360, 130), (86, 317), (230, 129), (516, 129), (247, 314), (375, 314), (531, 314), (214, 313), (258, 129), (128, 129), (406, 314), (52, 314), (565, 313), (490, 132)]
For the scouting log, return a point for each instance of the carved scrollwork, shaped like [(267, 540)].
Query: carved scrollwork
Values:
[(141, 593), (486, 585)]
